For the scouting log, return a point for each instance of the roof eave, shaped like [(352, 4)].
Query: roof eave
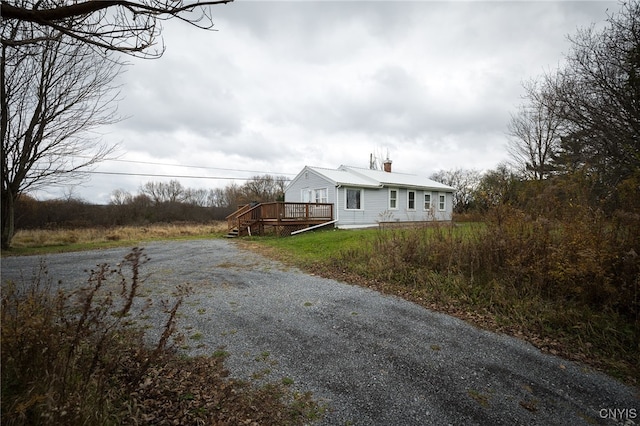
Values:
[(422, 187)]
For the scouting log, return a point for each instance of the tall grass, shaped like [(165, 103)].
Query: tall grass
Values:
[(571, 286), (30, 240)]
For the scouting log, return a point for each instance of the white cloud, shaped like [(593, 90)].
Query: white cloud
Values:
[(284, 84)]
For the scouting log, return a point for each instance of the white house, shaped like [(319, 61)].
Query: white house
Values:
[(364, 197)]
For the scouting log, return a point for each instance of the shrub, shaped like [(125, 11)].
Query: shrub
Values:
[(82, 357), (62, 352), (575, 280)]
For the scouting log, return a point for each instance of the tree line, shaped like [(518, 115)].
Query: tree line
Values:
[(154, 202)]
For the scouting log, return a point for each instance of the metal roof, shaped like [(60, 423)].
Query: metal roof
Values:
[(346, 175)]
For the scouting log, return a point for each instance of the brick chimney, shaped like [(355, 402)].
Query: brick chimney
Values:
[(387, 165)]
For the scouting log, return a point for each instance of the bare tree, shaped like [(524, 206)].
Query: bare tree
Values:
[(534, 132), (280, 183), (129, 26), (196, 197), (464, 181), (264, 188), (376, 159), (217, 198), (53, 94), (598, 91), (120, 197), (233, 195), (161, 192)]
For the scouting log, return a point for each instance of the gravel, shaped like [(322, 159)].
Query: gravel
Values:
[(374, 359)]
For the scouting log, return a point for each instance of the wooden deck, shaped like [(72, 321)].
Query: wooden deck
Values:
[(278, 217)]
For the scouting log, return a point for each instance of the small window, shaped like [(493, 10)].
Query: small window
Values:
[(306, 195), (427, 201), (321, 195), (393, 199), (411, 200), (442, 199), (354, 199)]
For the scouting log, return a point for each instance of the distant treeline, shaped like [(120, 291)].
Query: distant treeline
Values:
[(73, 213), (156, 202)]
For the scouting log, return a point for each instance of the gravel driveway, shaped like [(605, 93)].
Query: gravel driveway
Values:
[(374, 359)]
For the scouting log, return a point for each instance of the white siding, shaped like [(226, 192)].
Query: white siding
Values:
[(376, 208), (307, 180), (375, 201)]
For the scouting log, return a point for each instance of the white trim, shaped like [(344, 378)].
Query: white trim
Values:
[(300, 231), (430, 200), (336, 207), (358, 226), (442, 203), (396, 199), (346, 189), (409, 208), (315, 195)]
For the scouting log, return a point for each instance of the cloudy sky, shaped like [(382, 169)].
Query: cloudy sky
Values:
[(286, 84)]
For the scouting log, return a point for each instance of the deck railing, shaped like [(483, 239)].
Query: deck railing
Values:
[(298, 211), (250, 214)]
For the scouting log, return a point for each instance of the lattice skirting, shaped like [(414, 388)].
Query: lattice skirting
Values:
[(285, 230)]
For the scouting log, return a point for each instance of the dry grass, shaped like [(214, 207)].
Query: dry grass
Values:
[(571, 288), (81, 358), (30, 238)]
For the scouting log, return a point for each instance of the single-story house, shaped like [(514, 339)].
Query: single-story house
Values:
[(364, 197)]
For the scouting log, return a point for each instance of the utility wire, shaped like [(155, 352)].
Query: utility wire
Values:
[(189, 166), (172, 176)]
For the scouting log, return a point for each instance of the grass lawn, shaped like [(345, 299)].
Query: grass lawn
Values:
[(313, 247), (322, 246)]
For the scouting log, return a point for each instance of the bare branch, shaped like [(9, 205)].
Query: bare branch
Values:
[(54, 93), (125, 26)]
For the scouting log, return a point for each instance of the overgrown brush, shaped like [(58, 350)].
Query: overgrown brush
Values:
[(575, 280), (82, 357)]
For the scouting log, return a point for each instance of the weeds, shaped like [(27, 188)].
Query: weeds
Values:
[(569, 284), (564, 283), (82, 357)]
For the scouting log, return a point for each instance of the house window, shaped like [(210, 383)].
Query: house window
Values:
[(442, 202), (393, 199), (315, 195), (321, 195), (411, 200), (354, 199), (427, 201)]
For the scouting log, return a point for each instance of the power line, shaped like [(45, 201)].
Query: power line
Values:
[(171, 176), (189, 166)]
